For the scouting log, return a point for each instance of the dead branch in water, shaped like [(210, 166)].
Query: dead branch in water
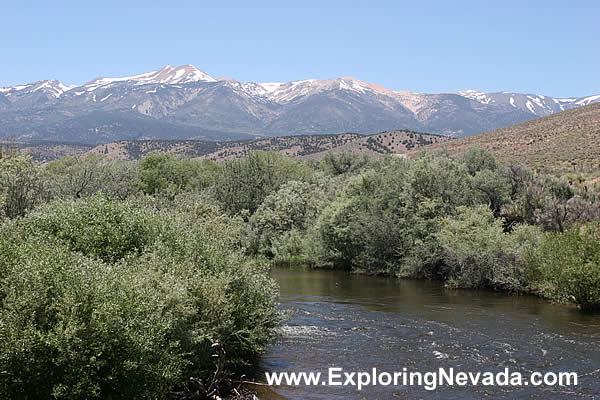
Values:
[(201, 391)]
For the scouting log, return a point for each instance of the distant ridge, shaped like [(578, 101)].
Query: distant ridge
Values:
[(301, 146), (179, 103)]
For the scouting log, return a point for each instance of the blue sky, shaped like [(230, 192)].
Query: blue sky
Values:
[(546, 47)]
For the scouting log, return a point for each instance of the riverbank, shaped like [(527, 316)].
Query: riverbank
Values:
[(297, 264), (359, 322)]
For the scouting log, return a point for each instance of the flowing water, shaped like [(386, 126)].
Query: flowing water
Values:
[(357, 323)]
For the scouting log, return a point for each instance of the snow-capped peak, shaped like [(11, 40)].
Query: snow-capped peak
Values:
[(288, 91), (353, 84), (50, 86), (168, 75), (184, 74)]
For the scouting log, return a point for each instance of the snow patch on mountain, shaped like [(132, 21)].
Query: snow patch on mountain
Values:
[(537, 101), (290, 91), (270, 86), (15, 88), (530, 106), (538, 105), (588, 100), (478, 96), (167, 75), (51, 87)]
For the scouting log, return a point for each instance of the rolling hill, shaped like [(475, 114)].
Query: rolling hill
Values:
[(302, 146), (563, 143)]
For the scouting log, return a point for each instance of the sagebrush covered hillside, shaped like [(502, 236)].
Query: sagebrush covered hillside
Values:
[(304, 146), (567, 143)]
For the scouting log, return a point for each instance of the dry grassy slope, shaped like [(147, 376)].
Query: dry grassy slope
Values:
[(568, 141), (306, 146), (225, 150), (393, 142), (293, 146)]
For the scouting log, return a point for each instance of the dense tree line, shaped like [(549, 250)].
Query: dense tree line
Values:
[(119, 276)]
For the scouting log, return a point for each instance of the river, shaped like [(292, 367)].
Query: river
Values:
[(357, 323)]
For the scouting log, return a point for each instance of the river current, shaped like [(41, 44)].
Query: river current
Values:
[(358, 323)]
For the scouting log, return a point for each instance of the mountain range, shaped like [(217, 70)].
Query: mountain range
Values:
[(186, 103)]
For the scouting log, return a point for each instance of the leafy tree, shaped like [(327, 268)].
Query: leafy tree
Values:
[(22, 185), (87, 175), (244, 184), (98, 227), (166, 175), (493, 187), (477, 159), (479, 253), (566, 266), (343, 163), (555, 209), (364, 229), (291, 208), (439, 179)]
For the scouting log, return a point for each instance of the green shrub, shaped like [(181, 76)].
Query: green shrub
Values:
[(477, 159), (166, 175), (102, 228), (22, 185), (555, 212), (244, 184), (292, 208), (92, 173), (112, 299), (494, 189), (545, 201), (343, 163), (478, 253), (439, 179), (566, 266), (363, 229), (386, 217), (292, 247), (76, 328)]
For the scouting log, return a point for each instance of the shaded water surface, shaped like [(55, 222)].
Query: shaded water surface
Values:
[(358, 323)]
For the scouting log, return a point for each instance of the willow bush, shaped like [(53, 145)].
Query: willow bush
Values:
[(116, 299), (566, 266), (480, 254), (22, 185)]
